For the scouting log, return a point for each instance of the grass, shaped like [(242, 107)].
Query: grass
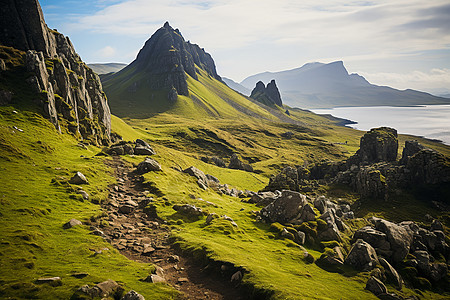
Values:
[(36, 201), (273, 264)]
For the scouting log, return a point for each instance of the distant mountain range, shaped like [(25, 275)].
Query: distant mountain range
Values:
[(319, 85), (236, 86), (107, 67)]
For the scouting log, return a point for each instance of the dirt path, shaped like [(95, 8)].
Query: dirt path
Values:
[(146, 239)]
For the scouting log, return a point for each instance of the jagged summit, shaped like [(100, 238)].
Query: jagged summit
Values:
[(166, 58), (69, 92), (267, 95)]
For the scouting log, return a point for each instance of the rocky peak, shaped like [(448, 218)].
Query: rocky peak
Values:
[(269, 95), (69, 92), (166, 58)]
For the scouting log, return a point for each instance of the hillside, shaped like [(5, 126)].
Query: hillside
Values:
[(190, 190), (236, 86), (106, 68), (318, 85)]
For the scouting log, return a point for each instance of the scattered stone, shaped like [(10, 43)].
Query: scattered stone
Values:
[(83, 194), (182, 280), (211, 217), (375, 286), (154, 278), (79, 275), (78, 178), (399, 238), (132, 295), (72, 223), (148, 250), (53, 281), (235, 163), (173, 259), (143, 148), (148, 165), (362, 256), (237, 277), (300, 237)]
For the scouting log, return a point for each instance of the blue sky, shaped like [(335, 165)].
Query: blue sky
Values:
[(400, 43)]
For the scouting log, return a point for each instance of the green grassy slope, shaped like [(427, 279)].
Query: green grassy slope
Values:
[(274, 265), (36, 200)]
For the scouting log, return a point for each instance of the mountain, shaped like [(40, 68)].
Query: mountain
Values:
[(174, 76), (269, 95), (318, 85), (236, 86), (106, 68), (43, 63)]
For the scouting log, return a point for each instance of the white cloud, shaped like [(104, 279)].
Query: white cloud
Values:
[(107, 52)]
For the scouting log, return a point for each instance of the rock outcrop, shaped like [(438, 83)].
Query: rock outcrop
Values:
[(269, 95), (373, 171), (69, 92)]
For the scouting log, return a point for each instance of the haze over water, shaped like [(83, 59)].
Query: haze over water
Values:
[(430, 121)]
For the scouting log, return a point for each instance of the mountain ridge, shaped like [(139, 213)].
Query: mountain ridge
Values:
[(319, 85)]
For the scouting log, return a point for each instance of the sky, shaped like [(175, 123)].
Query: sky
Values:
[(398, 43)]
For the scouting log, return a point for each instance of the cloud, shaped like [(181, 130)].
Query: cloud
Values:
[(107, 52), (426, 81)]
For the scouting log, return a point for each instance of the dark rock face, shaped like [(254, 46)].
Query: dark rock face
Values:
[(411, 148), (269, 95), (236, 163), (362, 256), (377, 145), (69, 92), (284, 208), (166, 58)]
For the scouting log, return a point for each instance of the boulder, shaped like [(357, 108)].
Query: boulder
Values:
[(306, 214), (300, 237), (284, 208), (391, 273), (375, 238), (143, 148), (375, 286), (188, 209), (362, 256), (193, 171), (72, 223), (78, 178), (211, 217), (132, 295), (83, 194), (264, 198), (148, 165), (399, 238), (330, 234)]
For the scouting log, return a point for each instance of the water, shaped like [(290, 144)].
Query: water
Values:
[(430, 121)]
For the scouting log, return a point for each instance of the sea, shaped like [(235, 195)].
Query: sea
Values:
[(429, 121)]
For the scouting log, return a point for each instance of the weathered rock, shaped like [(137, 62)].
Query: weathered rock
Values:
[(269, 95), (211, 217), (126, 209), (53, 281), (235, 163), (284, 208), (411, 148), (188, 209), (264, 198), (83, 194), (237, 277), (330, 234), (78, 178), (377, 145), (375, 286), (154, 278), (375, 238), (391, 296), (148, 165), (391, 273), (300, 237), (72, 223), (132, 295), (399, 238), (288, 179), (193, 171), (436, 225), (362, 256), (143, 148), (306, 214)]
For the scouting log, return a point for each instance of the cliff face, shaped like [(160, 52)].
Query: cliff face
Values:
[(269, 95), (69, 92), (165, 59)]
